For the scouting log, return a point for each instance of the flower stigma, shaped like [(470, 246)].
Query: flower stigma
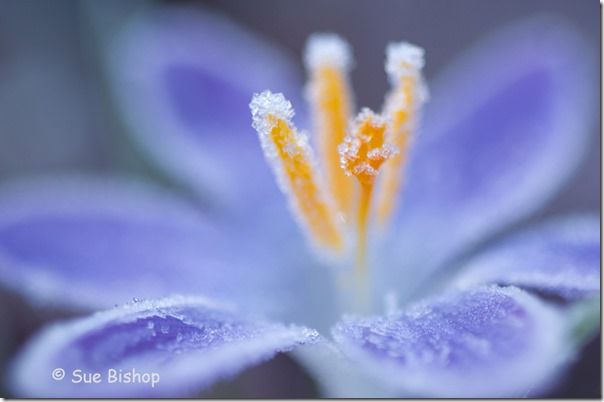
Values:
[(341, 195), (362, 154)]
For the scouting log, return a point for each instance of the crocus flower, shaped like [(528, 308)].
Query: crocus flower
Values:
[(372, 295)]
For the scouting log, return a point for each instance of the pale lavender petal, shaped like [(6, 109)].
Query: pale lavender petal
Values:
[(559, 258), (87, 243), (484, 342), (504, 128), (189, 343), (183, 78)]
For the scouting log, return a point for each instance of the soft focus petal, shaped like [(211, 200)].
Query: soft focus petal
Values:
[(504, 128), (189, 342), (559, 258), (335, 376), (183, 79), (85, 242), (485, 342)]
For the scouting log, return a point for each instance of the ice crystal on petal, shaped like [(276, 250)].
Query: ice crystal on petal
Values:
[(196, 339), (460, 335)]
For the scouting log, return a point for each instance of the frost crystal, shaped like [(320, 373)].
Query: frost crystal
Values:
[(327, 49), (363, 152), (403, 58), (266, 104), (291, 158)]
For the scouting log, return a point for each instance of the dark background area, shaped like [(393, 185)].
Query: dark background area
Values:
[(56, 115)]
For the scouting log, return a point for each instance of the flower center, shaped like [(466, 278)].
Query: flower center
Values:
[(346, 183)]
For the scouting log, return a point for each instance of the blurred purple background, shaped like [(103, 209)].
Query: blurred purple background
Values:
[(56, 114)]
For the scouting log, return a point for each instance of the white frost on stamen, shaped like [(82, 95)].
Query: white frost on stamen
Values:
[(403, 58), (266, 104), (384, 152), (364, 168), (349, 149), (327, 49), (368, 114)]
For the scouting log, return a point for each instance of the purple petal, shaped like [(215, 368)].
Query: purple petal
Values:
[(84, 242), (560, 258), (486, 342), (183, 79), (189, 343), (505, 127)]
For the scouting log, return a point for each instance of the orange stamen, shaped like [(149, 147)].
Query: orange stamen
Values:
[(328, 60), (404, 62), (292, 161)]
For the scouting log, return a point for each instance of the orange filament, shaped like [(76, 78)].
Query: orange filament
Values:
[(292, 161), (330, 99), (401, 108), (304, 189), (394, 171)]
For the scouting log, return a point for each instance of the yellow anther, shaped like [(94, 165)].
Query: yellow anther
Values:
[(403, 65), (291, 158), (328, 61)]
